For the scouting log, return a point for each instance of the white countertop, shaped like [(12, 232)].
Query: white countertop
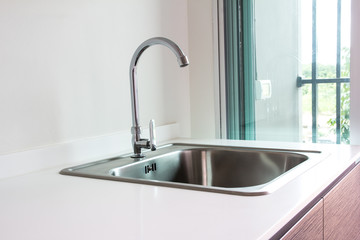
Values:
[(47, 205)]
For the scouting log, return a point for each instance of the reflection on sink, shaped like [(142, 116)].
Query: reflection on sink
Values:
[(233, 170)]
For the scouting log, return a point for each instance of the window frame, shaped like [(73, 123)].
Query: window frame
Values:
[(354, 90)]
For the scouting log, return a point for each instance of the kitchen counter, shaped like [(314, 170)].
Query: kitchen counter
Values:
[(47, 205)]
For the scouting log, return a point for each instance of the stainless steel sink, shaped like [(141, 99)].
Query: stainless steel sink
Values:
[(232, 170)]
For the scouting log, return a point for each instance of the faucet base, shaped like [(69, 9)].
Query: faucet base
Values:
[(138, 155)]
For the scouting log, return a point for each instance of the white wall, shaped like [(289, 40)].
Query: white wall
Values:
[(64, 69), (202, 68)]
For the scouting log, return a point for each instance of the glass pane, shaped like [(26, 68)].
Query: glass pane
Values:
[(345, 113), (326, 112), (345, 38), (306, 38), (326, 27), (277, 105), (306, 113)]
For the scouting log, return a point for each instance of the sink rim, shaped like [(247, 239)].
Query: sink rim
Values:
[(314, 157)]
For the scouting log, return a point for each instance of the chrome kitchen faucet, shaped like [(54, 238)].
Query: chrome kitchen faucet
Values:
[(137, 142)]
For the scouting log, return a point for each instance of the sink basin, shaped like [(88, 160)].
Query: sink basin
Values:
[(232, 170)]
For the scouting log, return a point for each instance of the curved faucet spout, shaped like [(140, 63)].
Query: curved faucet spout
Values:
[(181, 57), (183, 61)]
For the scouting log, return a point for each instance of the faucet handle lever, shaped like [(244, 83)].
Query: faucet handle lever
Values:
[(152, 135)]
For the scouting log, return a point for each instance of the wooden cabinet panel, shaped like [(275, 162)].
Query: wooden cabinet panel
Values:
[(336, 216), (342, 208), (310, 227)]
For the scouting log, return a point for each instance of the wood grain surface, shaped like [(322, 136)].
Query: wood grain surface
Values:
[(310, 227), (342, 208)]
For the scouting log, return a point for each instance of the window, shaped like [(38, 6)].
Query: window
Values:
[(325, 79), (287, 70)]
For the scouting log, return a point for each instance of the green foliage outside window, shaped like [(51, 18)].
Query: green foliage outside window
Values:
[(344, 101)]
